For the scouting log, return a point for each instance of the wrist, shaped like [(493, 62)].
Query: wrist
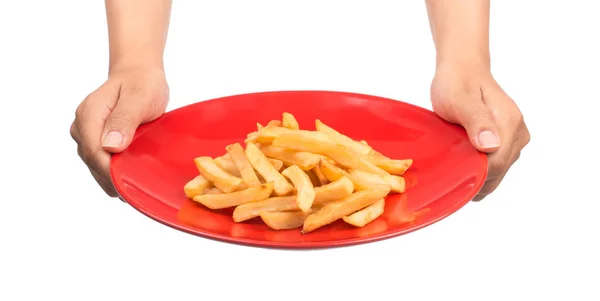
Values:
[(459, 58), (124, 63)]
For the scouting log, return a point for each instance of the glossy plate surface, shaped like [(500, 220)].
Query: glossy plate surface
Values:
[(446, 174)]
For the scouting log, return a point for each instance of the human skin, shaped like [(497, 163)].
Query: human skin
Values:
[(136, 90), (463, 90)]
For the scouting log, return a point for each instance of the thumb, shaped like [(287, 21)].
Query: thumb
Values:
[(479, 123), (121, 124)]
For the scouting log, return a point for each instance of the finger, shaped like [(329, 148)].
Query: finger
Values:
[(74, 131), (492, 182), (524, 136), (479, 198), (107, 187), (473, 114), (479, 123), (122, 123), (91, 117), (488, 188), (514, 133), (499, 162)]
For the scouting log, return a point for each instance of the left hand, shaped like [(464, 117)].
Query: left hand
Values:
[(471, 97)]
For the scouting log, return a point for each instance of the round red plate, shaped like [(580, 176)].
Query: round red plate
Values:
[(446, 174)]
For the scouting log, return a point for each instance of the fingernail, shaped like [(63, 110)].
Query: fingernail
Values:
[(488, 139), (112, 139)]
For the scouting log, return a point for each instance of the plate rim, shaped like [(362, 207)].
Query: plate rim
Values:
[(124, 196)]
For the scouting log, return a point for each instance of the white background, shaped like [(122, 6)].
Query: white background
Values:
[(536, 237)]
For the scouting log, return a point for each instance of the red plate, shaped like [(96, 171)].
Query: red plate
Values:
[(446, 174)]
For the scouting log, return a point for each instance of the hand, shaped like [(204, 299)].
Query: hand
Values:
[(106, 121), (470, 96)]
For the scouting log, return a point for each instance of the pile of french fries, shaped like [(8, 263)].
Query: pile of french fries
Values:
[(293, 178)]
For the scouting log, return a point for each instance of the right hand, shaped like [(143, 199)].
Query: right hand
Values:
[(106, 120)]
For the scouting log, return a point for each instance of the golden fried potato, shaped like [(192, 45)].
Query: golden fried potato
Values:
[(331, 172), (289, 121), (220, 178), (273, 124), (338, 209), (397, 183), (293, 178), (322, 178), (243, 165), (366, 215), (342, 139), (364, 180), (225, 200), (304, 160), (252, 137), (196, 186), (213, 190), (262, 165), (327, 193), (305, 192), (227, 165), (278, 164), (283, 220), (268, 134), (343, 156), (313, 178), (394, 167)]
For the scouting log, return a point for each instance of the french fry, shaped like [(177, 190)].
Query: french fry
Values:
[(397, 183), (289, 121), (394, 167), (252, 137), (364, 180), (341, 155), (331, 172), (322, 178), (305, 192), (226, 200), (227, 165), (338, 209), (342, 139), (220, 178), (268, 134), (376, 154), (273, 124), (313, 178), (196, 186), (366, 215), (243, 166), (262, 165), (213, 190), (323, 194), (304, 160), (273, 204), (329, 160), (318, 206), (283, 220), (278, 164), (293, 178)]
